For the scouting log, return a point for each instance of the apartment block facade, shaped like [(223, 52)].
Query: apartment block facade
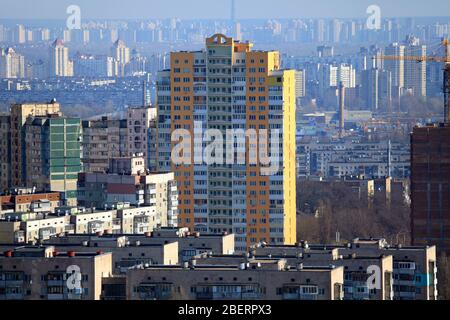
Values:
[(259, 280), (38, 273), (103, 139), (18, 117), (230, 87), (409, 271), (140, 121), (53, 155), (189, 244), (127, 181), (5, 152), (359, 282), (430, 186)]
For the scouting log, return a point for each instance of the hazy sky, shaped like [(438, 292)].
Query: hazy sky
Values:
[(56, 9)]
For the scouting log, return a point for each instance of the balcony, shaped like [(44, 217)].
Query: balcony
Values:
[(300, 293), (155, 291), (117, 224), (70, 228), (298, 296), (95, 226), (11, 283), (227, 296), (235, 292), (19, 236), (47, 233), (56, 283)]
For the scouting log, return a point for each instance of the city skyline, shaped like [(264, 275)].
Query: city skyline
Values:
[(139, 9), (224, 150)]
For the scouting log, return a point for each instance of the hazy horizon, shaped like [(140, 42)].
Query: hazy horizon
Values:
[(204, 9)]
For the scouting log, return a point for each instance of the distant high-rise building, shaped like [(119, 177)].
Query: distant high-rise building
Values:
[(20, 34), (3, 33), (29, 36), (230, 87), (376, 89), (385, 89), (336, 30), (347, 75), (396, 67), (370, 88), (95, 66), (45, 35), (331, 75), (12, 64), (121, 53), (137, 66), (59, 63), (319, 30), (328, 76), (416, 71), (300, 83)]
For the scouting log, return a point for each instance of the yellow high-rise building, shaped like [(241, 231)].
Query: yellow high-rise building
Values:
[(230, 88)]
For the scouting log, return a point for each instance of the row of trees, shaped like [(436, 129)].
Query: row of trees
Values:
[(327, 208)]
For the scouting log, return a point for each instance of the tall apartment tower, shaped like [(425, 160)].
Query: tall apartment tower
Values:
[(300, 83), (59, 63), (53, 155), (376, 88), (416, 72), (396, 67), (43, 150), (18, 116), (121, 53), (5, 152), (230, 87), (430, 186), (20, 34), (12, 64), (370, 88)]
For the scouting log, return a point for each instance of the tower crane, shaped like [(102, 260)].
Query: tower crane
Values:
[(445, 60)]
